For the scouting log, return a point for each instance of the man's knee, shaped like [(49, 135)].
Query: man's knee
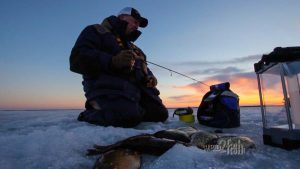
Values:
[(130, 119), (123, 118), (92, 116), (115, 111), (163, 114), (155, 112)]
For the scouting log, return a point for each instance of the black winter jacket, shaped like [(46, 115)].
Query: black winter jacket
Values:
[(91, 56)]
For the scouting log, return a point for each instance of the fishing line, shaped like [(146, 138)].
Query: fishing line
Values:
[(177, 73)]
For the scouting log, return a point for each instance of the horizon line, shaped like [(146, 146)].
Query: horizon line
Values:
[(58, 109)]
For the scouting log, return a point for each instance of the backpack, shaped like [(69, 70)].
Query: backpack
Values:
[(219, 107)]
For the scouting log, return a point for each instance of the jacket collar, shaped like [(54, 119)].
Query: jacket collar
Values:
[(118, 27)]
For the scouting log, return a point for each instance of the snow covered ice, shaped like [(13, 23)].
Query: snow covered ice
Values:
[(54, 139)]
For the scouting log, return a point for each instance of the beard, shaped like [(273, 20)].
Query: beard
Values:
[(133, 36)]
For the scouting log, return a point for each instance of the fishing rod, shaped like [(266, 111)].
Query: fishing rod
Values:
[(137, 51), (177, 72)]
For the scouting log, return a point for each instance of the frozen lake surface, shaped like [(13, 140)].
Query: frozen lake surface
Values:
[(54, 139)]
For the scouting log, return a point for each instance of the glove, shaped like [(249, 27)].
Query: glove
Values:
[(140, 56), (123, 61), (151, 81)]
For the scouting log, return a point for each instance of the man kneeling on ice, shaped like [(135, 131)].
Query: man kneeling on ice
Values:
[(119, 87)]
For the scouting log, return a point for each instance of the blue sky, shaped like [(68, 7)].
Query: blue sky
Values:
[(203, 39)]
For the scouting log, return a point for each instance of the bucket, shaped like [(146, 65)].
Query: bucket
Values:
[(185, 114)]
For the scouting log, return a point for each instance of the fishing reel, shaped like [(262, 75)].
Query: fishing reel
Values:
[(185, 114)]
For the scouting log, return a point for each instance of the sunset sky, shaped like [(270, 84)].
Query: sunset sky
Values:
[(213, 41)]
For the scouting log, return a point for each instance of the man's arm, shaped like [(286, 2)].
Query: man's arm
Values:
[(151, 80), (86, 57)]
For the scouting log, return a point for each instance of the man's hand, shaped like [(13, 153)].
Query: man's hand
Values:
[(151, 81), (123, 61)]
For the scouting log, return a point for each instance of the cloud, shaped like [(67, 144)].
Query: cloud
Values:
[(243, 84), (249, 58), (227, 70), (180, 97), (226, 77), (183, 100), (246, 86)]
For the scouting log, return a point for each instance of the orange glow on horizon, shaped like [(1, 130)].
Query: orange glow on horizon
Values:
[(42, 103), (172, 96), (246, 88)]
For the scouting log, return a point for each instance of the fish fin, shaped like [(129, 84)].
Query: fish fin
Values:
[(98, 149), (104, 149), (92, 152), (96, 146)]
